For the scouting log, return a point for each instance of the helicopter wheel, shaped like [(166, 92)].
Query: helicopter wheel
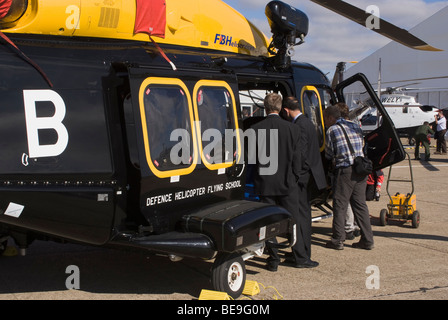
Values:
[(229, 274)]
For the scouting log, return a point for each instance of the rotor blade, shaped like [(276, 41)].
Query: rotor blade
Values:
[(419, 79), (424, 89), (407, 84), (386, 29)]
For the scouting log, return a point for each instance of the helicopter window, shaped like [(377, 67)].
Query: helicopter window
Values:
[(328, 100), (311, 107), (382, 145), (216, 110), (363, 109), (168, 126), (253, 102), (369, 120)]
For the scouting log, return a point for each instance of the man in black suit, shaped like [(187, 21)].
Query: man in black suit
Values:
[(311, 166), (275, 181)]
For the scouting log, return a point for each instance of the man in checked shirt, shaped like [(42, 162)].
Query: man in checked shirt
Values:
[(348, 187)]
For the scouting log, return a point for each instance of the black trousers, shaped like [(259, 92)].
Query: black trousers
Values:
[(302, 251), (441, 143), (291, 203), (350, 188)]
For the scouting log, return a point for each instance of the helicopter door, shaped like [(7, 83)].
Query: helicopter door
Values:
[(182, 128), (382, 144)]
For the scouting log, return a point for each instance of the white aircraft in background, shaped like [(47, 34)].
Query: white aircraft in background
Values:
[(404, 110), (406, 113)]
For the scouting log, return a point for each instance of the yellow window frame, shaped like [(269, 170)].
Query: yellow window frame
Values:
[(314, 89), (216, 83), (174, 82)]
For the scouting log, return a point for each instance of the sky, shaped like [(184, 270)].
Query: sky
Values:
[(332, 38)]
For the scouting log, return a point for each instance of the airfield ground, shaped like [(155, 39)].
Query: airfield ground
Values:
[(406, 263)]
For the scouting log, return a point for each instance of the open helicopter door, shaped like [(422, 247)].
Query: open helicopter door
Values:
[(382, 145)]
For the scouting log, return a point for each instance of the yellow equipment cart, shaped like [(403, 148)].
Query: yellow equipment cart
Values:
[(401, 207)]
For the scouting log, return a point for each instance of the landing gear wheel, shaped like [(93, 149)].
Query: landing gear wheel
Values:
[(229, 274), (383, 217), (415, 219)]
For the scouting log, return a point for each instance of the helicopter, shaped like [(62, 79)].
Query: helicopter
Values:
[(114, 116), (406, 113), (404, 110)]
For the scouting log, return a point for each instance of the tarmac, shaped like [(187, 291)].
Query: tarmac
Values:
[(406, 263)]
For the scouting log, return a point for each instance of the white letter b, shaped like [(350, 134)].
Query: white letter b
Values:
[(34, 123)]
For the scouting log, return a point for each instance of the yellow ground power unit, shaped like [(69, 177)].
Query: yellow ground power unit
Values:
[(401, 206)]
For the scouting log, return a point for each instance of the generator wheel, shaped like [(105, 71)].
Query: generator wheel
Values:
[(415, 219), (229, 274), (383, 217)]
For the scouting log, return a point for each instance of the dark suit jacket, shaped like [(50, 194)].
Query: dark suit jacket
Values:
[(286, 161), (310, 153)]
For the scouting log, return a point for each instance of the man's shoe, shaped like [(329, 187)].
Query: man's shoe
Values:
[(331, 245), (289, 258), (362, 245), (272, 266), (307, 264), (437, 152)]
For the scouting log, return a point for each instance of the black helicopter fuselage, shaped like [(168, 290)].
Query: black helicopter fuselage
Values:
[(75, 163)]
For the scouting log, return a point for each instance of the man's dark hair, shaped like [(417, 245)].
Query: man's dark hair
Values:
[(343, 108), (291, 103), (333, 111)]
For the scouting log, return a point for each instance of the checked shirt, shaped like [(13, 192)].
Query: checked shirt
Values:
[(336, 146)]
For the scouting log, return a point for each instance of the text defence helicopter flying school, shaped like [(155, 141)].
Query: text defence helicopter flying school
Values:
[(91, 95)]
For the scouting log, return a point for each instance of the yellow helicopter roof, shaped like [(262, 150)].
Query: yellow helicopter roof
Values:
[(210, 24)]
